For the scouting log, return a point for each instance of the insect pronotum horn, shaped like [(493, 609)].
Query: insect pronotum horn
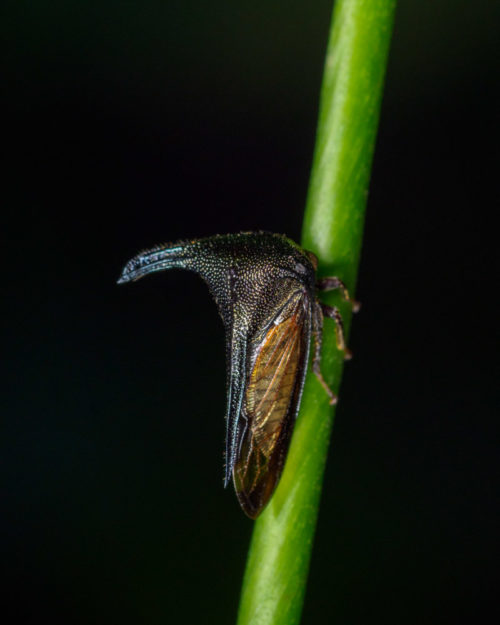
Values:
[(156, 259)]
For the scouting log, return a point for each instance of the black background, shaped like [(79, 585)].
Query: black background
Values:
[(129, 124)]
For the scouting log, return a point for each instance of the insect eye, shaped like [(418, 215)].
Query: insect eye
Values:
[(298, 266)]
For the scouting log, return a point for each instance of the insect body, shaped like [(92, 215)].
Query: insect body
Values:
[(265, 288)]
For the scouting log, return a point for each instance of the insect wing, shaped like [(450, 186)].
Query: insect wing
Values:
[(271, 402)]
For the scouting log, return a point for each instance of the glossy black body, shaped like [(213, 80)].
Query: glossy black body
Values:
[(264, 287)]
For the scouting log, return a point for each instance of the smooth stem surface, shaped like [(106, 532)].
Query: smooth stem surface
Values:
[(278, 562)]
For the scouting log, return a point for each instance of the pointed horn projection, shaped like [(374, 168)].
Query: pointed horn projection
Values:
[(155, 259)]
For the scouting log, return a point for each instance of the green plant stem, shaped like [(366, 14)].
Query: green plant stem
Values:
[(278, 561)]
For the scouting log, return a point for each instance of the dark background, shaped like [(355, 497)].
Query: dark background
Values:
[(133, 123)]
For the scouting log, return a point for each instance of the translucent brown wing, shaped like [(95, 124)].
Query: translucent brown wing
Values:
[(270, 405)]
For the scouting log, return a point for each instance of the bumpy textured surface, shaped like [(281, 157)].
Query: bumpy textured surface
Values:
[(264, 287)]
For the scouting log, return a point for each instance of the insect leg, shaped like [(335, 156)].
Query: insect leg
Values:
[(316, 361), (333, 313), (332, 283)]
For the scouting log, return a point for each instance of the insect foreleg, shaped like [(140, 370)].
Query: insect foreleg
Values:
[(331, 284)]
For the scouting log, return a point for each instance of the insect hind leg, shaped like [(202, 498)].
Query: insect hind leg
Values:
[(316, 360)]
